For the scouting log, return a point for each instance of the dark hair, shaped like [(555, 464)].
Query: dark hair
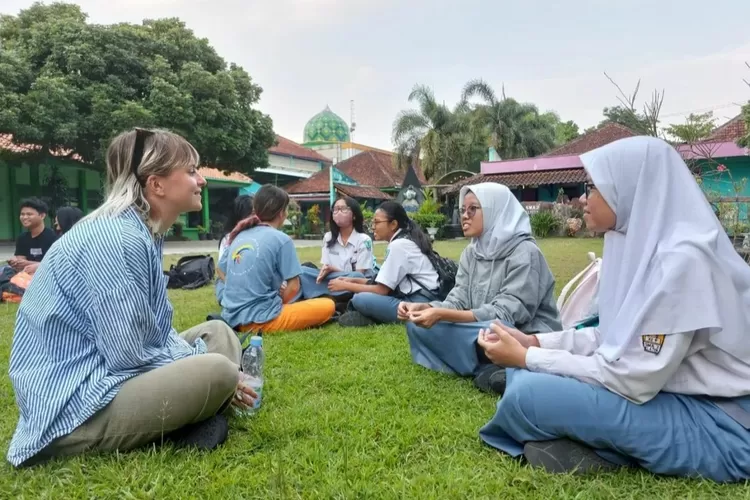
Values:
[(242, 208), (36, 204), (358, 220), (269, 201), (67, 217), (395, 211)]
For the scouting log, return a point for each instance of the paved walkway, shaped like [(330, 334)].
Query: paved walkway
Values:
[(173, 247)]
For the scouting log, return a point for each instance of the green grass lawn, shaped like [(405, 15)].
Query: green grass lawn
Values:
[(345, 415)]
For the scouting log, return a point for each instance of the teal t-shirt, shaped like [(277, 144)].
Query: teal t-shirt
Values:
[(255, 265)]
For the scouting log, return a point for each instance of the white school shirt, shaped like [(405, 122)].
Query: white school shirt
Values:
[(356, 254), (403, 257), (680, 363)]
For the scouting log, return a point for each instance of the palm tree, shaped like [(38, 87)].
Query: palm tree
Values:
[(516, 130), (423, 134)]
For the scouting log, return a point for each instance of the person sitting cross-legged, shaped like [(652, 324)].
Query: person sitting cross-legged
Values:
[(663, 382), (96, 364)]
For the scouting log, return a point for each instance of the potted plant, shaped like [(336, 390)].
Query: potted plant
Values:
[(313, 219), (202, 233)]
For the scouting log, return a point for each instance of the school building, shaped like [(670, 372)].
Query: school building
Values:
[(65, 179), (540, 179)]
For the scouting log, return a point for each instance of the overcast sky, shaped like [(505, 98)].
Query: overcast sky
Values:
[(307, 54)]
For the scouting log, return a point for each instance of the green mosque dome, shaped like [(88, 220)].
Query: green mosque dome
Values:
[(326, 126)]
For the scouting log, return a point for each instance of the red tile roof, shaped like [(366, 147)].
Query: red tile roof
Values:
[(524, 179), (731, 131), (7, 143), (363, 192), (285, 147), (594, 139), (216, 174), (369, 168)]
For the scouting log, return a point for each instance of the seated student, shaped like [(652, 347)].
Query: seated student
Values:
[(241, 209), (95, 360), (35, 242), (262, 273), (502, 276), (664, 381), (402, 277), (66, 218), (347, 250)]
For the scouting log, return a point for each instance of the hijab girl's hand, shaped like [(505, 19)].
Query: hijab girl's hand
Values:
[(502, 348), (406, 308), (525, 340), (426, 318)]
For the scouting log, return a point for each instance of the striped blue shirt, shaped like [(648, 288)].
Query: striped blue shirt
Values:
[(95, 314)]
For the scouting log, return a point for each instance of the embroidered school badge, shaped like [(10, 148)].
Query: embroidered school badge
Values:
[(368, 244), (652, 343)]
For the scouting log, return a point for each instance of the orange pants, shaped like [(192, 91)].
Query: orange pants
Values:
[(297, 316)]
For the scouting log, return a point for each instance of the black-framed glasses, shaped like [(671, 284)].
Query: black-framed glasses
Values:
[(140, 140), (470, 211), (343, 210), (589, 186), (374, 222)]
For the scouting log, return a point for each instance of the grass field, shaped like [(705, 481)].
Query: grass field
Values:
[(345, 415)]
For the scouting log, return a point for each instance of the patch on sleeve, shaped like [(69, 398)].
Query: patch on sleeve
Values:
[(368, 244), (653, 343)]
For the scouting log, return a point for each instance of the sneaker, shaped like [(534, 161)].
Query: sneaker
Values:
[(206, 435), (490, 379), (562, 456), (355, 318)]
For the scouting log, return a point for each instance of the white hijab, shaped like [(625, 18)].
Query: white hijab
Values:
[(668, 266), (504, 220)]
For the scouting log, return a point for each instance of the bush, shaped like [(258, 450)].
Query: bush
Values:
[(428, 220), (543, 223)]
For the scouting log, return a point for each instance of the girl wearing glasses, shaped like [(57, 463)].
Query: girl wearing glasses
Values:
[(664, 381), (96, 363), (406, 271), (347, 251), (502, 275)]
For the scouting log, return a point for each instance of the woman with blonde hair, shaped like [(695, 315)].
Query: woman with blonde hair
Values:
[(96, 364)]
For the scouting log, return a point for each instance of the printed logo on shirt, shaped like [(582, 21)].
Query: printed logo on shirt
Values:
[(35, 252), (652, 343), (244, 258)]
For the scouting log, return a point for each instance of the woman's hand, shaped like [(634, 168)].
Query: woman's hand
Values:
[(426, 318), (245, 395), (31, 268), (502, 347), (525, 340), (324, 271), (282, 289), (339, 285), (405, 308)]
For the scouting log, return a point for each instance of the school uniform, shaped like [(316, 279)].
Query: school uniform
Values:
[(502, 275), (664, 381), (348, 258), (353, 255), (405, 270)]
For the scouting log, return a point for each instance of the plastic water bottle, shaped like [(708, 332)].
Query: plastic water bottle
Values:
[(252, 370)]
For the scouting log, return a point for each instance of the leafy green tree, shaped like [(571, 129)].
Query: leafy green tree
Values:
[(696, 127), (66, 84)]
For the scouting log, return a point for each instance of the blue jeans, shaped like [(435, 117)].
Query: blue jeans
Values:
[(383, 308), (672, 434), (311, 289)]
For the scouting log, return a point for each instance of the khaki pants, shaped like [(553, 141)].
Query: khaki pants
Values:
[(151, 405)]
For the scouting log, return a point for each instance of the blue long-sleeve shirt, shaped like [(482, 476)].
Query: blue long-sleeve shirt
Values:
[(95, 314)]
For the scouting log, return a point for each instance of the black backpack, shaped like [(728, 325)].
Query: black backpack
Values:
[(446, 269), (191, 272)]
